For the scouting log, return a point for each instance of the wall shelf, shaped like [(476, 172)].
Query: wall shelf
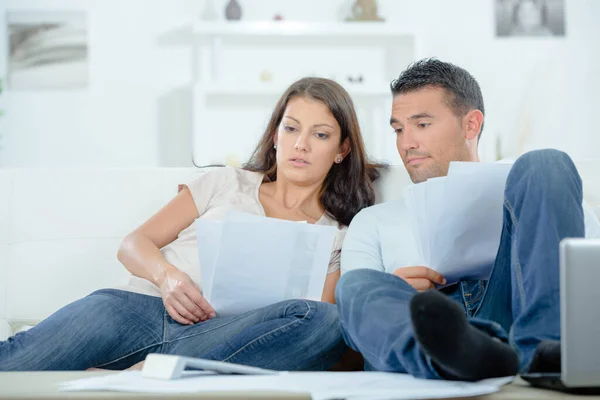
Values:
[(275, 89), (231, 57), (295, 28)]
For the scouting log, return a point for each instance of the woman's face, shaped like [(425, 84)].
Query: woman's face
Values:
[(308, 141)]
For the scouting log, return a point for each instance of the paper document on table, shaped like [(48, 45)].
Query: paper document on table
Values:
[(249, 261), (320, 385), (457, 219)]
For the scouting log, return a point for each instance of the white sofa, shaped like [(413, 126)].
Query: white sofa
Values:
[(60, 229)]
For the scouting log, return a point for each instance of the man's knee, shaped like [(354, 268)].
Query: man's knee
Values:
[(350, 283), (545, 158), (543, 168)]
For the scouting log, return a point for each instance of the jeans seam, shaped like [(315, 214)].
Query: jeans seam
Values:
[(483, 294), (211, 329), (515, 255), (271, 332), (463, 292), (165, 326), (127, 355)]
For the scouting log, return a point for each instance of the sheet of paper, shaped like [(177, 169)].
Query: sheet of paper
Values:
[(470, 227), (409, 200), (458, 218), (320, 385), (419, 199), (253, 261), (209, 234), (434, 192)]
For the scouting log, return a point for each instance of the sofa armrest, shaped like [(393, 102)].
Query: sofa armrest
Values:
[(4, 329)]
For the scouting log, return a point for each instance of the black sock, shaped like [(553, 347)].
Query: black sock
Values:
[(459, 350), (546, 358)]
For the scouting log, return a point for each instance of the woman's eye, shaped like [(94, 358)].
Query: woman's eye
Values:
[(288, 128), (321, 135)]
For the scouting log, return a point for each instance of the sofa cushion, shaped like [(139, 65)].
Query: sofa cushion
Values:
[(60, 229)]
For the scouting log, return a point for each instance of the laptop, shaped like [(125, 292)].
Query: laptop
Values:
[(579, 320)]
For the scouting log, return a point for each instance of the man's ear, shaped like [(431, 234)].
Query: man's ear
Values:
[(345, 148), (472, 123)]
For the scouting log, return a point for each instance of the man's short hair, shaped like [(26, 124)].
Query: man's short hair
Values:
[(463, 93)]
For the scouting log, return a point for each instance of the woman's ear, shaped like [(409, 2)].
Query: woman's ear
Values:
[(345, 148)]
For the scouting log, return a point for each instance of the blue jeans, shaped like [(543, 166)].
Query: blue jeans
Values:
[(115, 329), (519, 304)]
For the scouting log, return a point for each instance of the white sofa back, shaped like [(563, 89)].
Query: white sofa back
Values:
[(60, 229)]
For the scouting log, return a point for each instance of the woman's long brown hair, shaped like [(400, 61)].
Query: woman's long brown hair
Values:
[(348, 187)]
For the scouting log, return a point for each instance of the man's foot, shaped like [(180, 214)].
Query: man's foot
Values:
[(458, 350), (546, 358)]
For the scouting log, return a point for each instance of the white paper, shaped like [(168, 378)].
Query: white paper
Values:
[(320, 385), (251, 261), (458, 219)]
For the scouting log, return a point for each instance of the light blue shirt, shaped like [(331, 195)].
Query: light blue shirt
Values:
[(380, 237)]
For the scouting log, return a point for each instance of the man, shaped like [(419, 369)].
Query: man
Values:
[(473, 329)]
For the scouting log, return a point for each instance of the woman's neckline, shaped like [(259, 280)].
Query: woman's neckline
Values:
[(262, 180)]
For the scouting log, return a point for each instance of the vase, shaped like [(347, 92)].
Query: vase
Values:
[(233, 11)]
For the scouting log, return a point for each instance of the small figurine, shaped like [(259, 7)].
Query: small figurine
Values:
[(356, 79), (266, 76), (365, 10), (233, 11)]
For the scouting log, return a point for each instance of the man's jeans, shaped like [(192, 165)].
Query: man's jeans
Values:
[(114, 329), (520, 302)]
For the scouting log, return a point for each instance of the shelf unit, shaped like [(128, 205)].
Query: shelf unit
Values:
[(296, 28), (275, 89), (213, 39)]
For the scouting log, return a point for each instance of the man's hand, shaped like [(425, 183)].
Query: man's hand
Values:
[(182, 298), (421, 278)]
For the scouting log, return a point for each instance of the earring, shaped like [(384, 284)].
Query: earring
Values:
[(338, 159), (275, 146)]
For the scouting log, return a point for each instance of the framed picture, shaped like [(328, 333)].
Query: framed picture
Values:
[(528, 18), (47, 50)]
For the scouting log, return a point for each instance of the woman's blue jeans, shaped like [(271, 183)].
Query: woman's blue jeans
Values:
[(115, 329)]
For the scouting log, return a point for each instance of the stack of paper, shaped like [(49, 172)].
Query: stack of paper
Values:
[(250, 261), (320, 385), (457, 219)]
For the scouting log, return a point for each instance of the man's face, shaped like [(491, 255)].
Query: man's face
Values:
[(429, 134)]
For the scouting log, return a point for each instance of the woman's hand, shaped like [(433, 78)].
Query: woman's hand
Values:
[(421, 278), (182, 298)]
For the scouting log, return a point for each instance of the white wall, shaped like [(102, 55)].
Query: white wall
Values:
[(137, 111)]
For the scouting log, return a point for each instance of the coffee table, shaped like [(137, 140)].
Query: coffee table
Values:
[(36, 385)]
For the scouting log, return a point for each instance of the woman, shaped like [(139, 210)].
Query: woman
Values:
[(310, 165)]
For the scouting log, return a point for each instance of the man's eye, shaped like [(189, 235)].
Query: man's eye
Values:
[(423, 125), (398, 131)]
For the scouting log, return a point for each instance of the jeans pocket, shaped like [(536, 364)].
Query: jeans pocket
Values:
[(473, 295)]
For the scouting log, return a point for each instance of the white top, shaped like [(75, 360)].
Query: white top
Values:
[(215, 192), (380, 237)]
